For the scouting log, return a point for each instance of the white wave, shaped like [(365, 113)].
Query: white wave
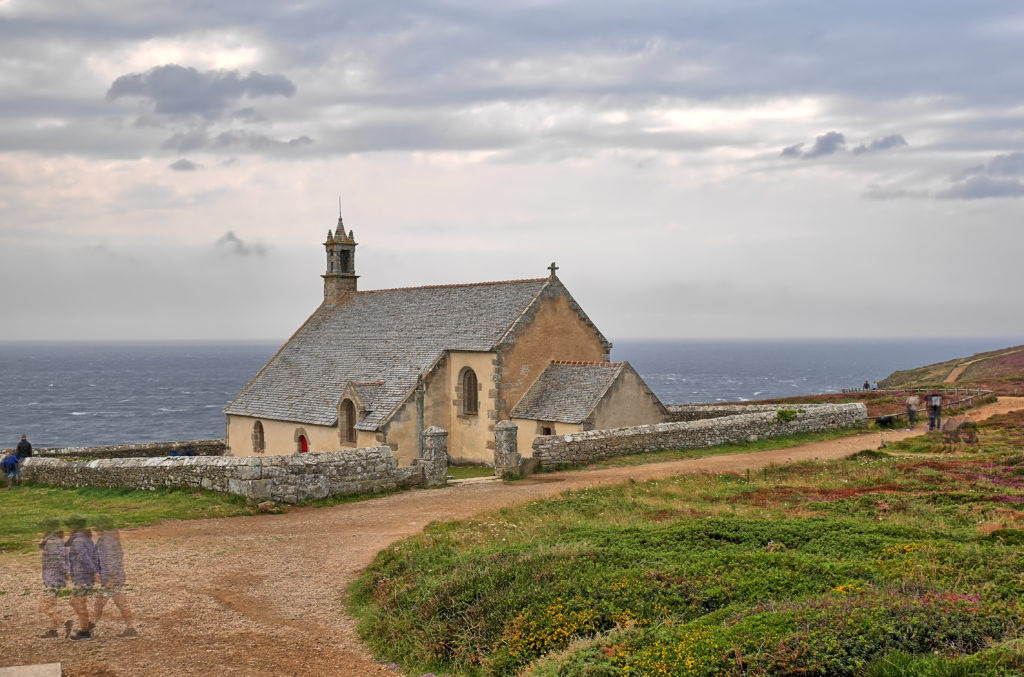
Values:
[(170, 411), (81, 413)]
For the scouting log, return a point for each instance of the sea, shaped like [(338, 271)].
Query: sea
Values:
[(86, 394)]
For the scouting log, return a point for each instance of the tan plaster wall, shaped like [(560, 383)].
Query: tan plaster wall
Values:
[(471, 438), (400, 432), (627, 403), (556, 333), (530, 430), (279, 436)]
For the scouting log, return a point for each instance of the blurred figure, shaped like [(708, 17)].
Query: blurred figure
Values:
[(11, 469), (55, 576), (934, 411), (111, 558), (85, 567), (913, 402)]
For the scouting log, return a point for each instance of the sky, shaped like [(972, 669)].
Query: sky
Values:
[(697, 169)]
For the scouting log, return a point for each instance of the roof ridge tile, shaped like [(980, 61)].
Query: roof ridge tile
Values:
[(450, 286), (576, 363)]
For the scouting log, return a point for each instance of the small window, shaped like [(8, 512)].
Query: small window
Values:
[(547, 431), (258, 442), (347, 421), (470, 397)]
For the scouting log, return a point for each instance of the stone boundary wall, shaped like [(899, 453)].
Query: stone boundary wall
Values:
[(700, 412), (592, 445), (145, 450), (288, 479)]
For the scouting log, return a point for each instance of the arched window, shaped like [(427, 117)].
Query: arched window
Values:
[(470, 397), (258, 442), (347, 421)]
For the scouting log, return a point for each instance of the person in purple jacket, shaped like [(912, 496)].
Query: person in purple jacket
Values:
[(55, 575), (111, 554), (85, 567)]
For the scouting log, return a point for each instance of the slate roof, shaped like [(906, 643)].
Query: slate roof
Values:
[(385, 336), (567, 392)]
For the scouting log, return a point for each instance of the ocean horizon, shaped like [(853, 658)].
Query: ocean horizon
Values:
[(95, 393)]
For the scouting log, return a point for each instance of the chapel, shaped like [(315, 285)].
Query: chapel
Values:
[(373, 367)]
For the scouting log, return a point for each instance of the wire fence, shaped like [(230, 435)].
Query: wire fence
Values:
[(962, 398)]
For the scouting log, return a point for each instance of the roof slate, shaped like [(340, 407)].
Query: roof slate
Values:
[(386, 336), (567, 392)]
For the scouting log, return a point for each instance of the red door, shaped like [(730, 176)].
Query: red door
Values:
[(303, 444)]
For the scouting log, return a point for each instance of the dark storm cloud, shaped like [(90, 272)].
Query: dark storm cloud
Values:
[(176, 90), (885, 143), (184, 165), (235, 246)]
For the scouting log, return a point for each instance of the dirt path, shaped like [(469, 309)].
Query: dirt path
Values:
[(962, 367), (261, 595)]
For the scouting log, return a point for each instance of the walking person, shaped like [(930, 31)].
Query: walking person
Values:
[(10, 467), (55, 576), (913, 402), (935, 419), (85, 567), (111, 558)]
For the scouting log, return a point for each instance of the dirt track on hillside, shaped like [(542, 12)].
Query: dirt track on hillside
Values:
[(260, 595)]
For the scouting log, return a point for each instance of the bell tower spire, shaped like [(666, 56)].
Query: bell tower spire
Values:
[(341, 261)]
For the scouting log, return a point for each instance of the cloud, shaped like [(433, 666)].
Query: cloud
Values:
[(792, 151), (885, 143), (876, 192), (189, 140), (234, 245), (1011, 164), (179, 91), (826, 144), (982, 187), (184, 165)]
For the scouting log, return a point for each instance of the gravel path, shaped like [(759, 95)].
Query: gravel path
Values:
[(260, 595)]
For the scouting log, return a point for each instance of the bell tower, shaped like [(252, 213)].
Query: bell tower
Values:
[(341, 262)]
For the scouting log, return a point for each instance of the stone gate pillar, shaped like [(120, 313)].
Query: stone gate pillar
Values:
[(506, 448), (435, 456)]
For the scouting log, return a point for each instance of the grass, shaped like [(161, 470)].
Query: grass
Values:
[(877, 565), (765, 444), (22, 508), (465, 472)]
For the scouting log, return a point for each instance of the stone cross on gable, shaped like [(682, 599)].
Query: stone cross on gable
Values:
[(552, 268)]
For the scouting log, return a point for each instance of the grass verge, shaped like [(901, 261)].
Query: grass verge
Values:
[(22, 508), (871, 565), (766, 444), (465, 472)]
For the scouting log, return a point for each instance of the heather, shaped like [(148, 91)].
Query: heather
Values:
[(882, 564)]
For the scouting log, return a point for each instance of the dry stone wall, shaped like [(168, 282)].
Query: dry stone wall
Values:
[(700, 412), (289, 479), (592, 445), (147, 450)]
